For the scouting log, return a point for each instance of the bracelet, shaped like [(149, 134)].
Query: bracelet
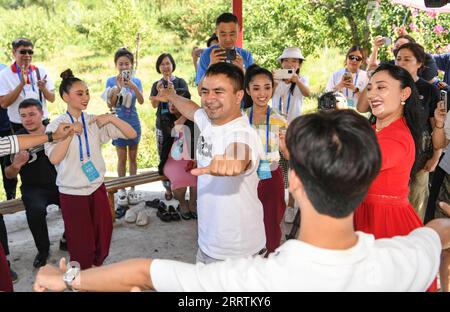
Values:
[(436, 126)]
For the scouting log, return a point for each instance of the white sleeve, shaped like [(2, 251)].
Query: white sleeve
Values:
[(361, 85), (418, 255), (110, 132), (243, 274), (304, 80), (201, 119), (9, 145)]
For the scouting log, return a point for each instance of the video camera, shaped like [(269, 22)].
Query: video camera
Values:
[(435, 3)]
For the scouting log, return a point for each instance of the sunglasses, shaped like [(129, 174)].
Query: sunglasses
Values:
[(355, 58), (29, 52)]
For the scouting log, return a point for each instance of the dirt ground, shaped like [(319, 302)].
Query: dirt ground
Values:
[(173, 240)]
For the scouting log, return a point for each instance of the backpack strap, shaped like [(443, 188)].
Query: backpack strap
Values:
[(38, 75)]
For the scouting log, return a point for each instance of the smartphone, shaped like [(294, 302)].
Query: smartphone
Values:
[(387, 41), (280, 74), (126, 74), (165, 83), (444, 98), (347, 76)]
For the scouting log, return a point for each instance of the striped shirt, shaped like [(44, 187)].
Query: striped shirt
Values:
[(9, 145)]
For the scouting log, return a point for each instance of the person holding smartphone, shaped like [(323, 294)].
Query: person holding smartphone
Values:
[(165, 65), (227, 30), (125, 91), (351, 79)]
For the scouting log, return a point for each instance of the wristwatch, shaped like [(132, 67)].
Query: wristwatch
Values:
[(50, 136), (71, 274)]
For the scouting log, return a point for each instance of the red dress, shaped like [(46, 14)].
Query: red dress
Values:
[(386, 210)]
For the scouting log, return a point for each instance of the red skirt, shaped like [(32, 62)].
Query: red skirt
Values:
[(387, 216), (5, 276)]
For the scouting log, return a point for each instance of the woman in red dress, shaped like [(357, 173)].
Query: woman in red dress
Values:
[(393, 98)]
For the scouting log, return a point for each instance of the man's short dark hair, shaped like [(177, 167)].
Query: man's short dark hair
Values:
[(231, 71), (25, 42), (336, 156), (227, 18), (29, 103), (161, 58)]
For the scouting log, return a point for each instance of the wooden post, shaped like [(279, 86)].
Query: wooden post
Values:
[(111, 205), (237, 10)]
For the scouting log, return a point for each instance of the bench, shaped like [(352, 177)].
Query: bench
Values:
[(112, 186)]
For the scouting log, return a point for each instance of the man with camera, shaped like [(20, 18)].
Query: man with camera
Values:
[(227, 30), (22, 80), (38, 178)]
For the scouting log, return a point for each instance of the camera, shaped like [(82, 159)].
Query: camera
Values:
[(230, 54), (165, 83), (443, 97), (126, 74), (280, 74), (435, 3), (387, 41)]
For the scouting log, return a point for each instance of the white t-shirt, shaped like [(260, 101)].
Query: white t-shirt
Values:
[(294, 101), (402, 263), (10, 80), (230, 215), (70, 177), (360, 80)]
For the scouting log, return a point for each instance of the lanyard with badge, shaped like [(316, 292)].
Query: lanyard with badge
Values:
[(30, 75), (263, 171), (350, 102), (88, 167), (280, 104)]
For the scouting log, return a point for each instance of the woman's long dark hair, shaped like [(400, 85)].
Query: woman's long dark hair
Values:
[(251, 72), (412, 112)]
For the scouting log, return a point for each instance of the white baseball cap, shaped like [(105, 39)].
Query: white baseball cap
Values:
[(291, 53)]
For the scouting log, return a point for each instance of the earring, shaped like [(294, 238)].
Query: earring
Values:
[(403, 103)]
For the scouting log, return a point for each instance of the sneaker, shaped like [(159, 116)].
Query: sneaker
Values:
[(122, 199), (13, 274), (135, 198), (289, 215)]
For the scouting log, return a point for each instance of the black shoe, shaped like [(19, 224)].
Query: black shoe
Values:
[(120, 211), (174, 214), (40, 260), (13, 274), (153, 203), (184, 215), (62, 244), (162, 213)]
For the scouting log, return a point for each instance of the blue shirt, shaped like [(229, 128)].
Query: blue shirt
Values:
[(205, 59), (121, 111), (443, 63)]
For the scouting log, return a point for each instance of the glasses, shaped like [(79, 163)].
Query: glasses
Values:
[(29, 52), (355, 58)]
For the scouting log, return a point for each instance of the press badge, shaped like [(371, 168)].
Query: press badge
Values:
[(90, 171), (263, 171), (350, 103)]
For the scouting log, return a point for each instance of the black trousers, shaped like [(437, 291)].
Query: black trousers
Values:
[(438, 178), (36, 199), (3, 236)]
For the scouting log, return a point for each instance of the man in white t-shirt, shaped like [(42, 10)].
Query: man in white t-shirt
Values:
[(23, 80), (230, 215), (329, 178)]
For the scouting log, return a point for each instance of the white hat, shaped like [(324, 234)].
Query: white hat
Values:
[(291, 53)]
